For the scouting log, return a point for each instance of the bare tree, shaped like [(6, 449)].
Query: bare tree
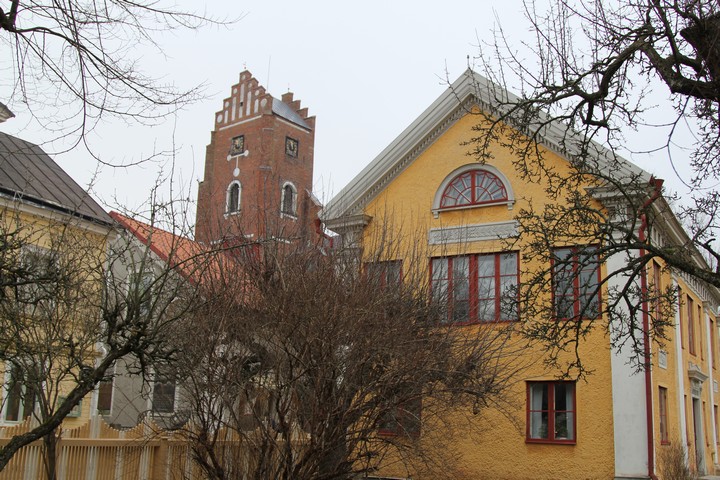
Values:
[(597, 65), (74, 63), (318, 365), (75, 300)]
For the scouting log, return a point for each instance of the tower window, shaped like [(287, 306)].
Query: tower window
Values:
[(233, 198), (237, 146), (289, 199)]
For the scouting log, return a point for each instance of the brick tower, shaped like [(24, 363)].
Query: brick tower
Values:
[(258, 170)]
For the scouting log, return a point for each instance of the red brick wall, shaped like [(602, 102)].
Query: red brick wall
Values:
[(262, 173)]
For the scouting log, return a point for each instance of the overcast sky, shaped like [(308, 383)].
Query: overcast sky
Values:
[(366, 70)]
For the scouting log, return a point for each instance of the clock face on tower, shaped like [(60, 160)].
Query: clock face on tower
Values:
[(291, 147), (237, 146)]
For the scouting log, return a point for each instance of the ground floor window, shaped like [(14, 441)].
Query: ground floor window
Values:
[(163, 395), (403, 420), (20, 398), (551, 412)]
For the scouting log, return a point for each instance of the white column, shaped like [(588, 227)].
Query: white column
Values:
[(628, 397)]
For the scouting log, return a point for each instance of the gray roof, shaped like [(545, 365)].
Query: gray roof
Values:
[(470, 88), (28, 174), (283, 109)]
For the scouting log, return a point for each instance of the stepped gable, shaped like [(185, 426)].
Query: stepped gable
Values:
[(249, 99)]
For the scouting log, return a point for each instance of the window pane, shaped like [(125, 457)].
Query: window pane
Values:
[(539, 396), (461, 289), (439, 268), (538, 425), (486, 310), (508, 264), (486, 265), (564, 426)]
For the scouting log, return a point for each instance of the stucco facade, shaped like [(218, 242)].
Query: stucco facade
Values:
[(616, 409)]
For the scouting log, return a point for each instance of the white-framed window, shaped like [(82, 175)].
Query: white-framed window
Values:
[(288, 202), (18, 398), (232, 197)]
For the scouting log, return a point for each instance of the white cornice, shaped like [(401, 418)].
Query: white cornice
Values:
[(469, 90)]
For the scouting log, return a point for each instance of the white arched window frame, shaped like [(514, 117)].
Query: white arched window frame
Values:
[(509, 197), (232, 198), (288, 200)]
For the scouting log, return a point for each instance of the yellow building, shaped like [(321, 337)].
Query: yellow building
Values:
[(616, 423), (54, 241)]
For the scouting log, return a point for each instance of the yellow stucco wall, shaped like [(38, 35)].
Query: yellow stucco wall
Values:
[(79, 241), (492, 444)]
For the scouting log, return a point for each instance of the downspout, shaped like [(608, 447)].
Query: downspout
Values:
[(656, 183)]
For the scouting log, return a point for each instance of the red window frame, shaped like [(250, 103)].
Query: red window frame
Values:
[(478, 183), (578, 293), (663, 410), (691, 324), (478, 284), (534, 432), (387, 272), (403, 420)]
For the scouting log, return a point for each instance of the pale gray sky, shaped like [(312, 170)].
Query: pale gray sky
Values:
[(365, 69)]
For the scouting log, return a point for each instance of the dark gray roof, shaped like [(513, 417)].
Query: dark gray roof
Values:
[(28, 174), (283, 109)]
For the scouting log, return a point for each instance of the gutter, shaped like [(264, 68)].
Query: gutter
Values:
[(656, 183)]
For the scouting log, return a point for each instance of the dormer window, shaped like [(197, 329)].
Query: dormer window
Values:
[(473, 186), (233, 198), (288, 203)]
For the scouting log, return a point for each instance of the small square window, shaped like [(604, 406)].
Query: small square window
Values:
[(551, 412), (237, 147)]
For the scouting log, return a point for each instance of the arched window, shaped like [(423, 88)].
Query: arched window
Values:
[(473, 188), (233, 198), (473, 185), (289, 199)]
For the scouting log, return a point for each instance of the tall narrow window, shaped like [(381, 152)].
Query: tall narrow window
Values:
[(680, 317), (233, 197), (576, 283), (691, 324), (20, 396), (713, 347), (104, 404), (163, 397), (663, 406), (289, 199), (551, 412), (657, 287)]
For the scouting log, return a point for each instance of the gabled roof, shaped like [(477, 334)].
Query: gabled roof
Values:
[(188, 256), (455, 102), (29, 175)]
